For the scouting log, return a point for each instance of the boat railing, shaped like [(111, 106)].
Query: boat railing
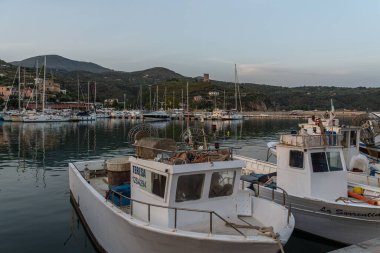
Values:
[(284, 198), (191, 155), (255, 165), (308, 141), (176, 209)]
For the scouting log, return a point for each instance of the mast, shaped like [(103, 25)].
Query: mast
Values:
[(165, 99), (187, 97), (150, 97), (173, 98), (224, 100), (43, 92), (235, 88), (124, 101), (37, 84), (19, 88), (157, 108), (24, 88), (182, 100), (140, 97), (88, 95), (95, 95), (78, 89)]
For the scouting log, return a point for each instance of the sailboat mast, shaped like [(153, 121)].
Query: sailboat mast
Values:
[(37, 84), (224, 100), (19, 88), (78, 89), (24, 86), (235, 88), (140, 97), (187, 97), (95, 95), (88, 95), (173, 98), (43, 91), (165, 99), (157, 108), (182, 100)]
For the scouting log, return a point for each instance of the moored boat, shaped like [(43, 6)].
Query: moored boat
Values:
[(312, 170), (173, 199)]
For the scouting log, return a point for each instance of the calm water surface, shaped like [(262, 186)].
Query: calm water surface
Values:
[(35, 210)]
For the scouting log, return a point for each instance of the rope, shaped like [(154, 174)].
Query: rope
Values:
[(266, 231)]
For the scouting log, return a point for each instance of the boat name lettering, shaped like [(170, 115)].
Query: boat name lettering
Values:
[(140, 182), (138, 171), (346, 213)]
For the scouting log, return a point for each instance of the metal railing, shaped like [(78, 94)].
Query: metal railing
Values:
[(312, 140), (173, 156), (176, 209), (284, 196)]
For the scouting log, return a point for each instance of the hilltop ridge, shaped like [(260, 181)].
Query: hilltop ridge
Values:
[(59, 63)]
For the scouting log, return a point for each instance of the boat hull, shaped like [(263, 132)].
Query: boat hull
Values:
[(336, 221), (114, 231)]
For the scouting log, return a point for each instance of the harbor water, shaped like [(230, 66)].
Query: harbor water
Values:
[(35, 211)]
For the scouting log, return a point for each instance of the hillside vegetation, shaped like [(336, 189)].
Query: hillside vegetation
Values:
[(114, 84)]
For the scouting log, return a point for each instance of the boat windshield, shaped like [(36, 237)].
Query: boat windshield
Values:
[(222, 183), (189, 187), (326, 161)]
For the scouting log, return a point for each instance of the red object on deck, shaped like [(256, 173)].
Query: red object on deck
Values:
[(357, 196)]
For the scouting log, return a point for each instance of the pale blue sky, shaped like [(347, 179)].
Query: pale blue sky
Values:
[(277, 42)]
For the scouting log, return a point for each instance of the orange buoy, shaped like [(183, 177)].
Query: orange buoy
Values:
[(357, 196)]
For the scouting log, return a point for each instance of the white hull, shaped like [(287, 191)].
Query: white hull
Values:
[(86, 118), (338, 221), (44, 118), (116, 231), (232, 117), (157, 115)]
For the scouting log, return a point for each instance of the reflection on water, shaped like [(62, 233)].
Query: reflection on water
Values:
[(34, 190)]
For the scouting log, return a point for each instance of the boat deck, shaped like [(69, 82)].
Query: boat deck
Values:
[(246, 224), (221, 228)]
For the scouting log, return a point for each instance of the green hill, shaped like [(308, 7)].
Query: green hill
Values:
[(59, 63), (114, 84)]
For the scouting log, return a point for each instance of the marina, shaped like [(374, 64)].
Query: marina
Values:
[(35, 165)]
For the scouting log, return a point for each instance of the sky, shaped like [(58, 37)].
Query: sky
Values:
[(287, 43)]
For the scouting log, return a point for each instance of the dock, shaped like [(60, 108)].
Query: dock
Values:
[(298, 114), (370, 246)]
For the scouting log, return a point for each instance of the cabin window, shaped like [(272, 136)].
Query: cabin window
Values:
[(158, 184), (334, 161), (222, 183), (326, 161), (296, 159), (319, 162), (149, 181), (189, 187), (353, 138)]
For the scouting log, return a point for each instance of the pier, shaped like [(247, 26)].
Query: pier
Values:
[(370, 246)]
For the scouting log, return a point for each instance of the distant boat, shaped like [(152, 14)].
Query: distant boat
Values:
[(43, 116), (86, 116), (234, 114), (157, 115)]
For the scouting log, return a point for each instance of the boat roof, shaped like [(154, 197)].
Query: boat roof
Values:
[(188, 167)]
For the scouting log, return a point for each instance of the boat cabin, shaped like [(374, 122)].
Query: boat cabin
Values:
[(204, 184), (312, 165)]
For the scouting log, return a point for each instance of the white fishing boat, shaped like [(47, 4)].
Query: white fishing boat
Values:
[(170, 201), (312, 170), (363, 166)]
